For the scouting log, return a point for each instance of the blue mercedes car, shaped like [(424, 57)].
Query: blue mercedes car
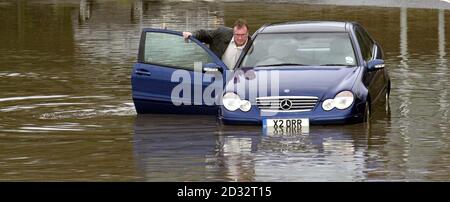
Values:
[(292, 74)]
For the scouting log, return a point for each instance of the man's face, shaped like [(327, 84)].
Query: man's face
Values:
[(240, 35)]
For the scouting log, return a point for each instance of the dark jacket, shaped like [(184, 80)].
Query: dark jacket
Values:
[(217, 39)]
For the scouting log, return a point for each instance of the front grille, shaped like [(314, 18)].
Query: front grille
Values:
[(280, 104)]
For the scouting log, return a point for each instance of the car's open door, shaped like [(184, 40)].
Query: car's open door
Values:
[(172, 73)]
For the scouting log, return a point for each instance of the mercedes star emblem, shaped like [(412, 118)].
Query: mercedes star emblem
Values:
[(286, 104)]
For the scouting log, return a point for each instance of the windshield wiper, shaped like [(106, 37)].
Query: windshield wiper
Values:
[(335, 65), (282, 64)]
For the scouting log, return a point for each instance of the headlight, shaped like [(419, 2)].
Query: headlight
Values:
[(343, 100), (328, 105), (245, 105), (231, 101)]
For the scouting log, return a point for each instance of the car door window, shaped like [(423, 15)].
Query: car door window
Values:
[(366, 36), (368, 39), (364, 44), (173, 51)]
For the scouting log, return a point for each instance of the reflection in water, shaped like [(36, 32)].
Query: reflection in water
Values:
[(202, 150), (404, 95), (442, 70), (66, 110), (137, 11), (85, 11)]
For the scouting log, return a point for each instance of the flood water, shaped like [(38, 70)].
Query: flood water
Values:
[(66, 112)]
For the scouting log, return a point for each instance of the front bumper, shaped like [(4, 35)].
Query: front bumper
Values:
[(354, 114), (355, 118)]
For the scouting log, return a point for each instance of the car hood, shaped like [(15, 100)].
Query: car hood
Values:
[(293, 81)]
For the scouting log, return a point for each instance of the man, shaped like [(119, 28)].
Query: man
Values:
[(227, 43)]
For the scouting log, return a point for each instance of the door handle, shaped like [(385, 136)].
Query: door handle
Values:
[(142, 72)]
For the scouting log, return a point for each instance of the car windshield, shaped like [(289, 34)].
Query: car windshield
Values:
[(300, 49)]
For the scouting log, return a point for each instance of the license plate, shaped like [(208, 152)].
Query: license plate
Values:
[(285, 126), (286, 123)]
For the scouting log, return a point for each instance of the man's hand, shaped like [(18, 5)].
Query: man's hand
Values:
[(186, 35)]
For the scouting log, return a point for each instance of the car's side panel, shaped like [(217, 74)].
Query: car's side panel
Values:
[(373, 80), (152, 84)]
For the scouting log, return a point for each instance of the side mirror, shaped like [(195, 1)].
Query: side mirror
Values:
[(211, 67), (375, 64)]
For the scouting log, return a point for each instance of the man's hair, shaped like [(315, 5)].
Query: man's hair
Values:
[(240, 23)]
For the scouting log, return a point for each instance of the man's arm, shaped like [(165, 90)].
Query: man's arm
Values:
[(202, 35)]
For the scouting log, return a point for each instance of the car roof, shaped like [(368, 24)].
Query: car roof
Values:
[(306, 26)]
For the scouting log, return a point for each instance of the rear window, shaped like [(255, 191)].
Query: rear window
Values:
[(311, 49)]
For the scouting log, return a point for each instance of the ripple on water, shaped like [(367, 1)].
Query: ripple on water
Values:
[(124, 109), (32, 97)]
